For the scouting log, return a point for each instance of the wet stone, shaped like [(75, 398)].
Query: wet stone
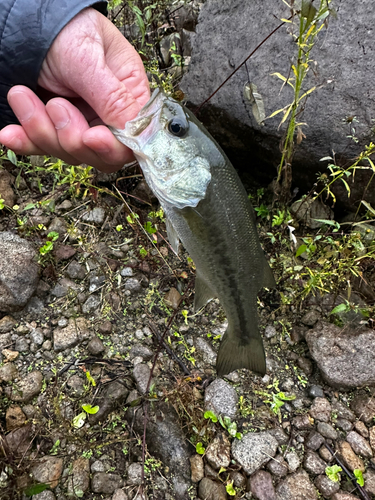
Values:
[(14, 418), (205, 350), (48, 470), (95, 346), (139, 350), (325, 454), (64, 252), (296, 486), (21, 345), (211, 490), (364, 407), (135, 474), (279, 435), (314, 440), (26, 388), (293, 460), (197, 468), (103, 482), (97, 466), (344, 425), (239, 481), (64, 338), (278, 466), (361, 428), (325, 486), (218, 452), (270, 331), (7, 323), (261, 486), (91, 304), (79, 479), (321, 410), (63, 287), (254, 450), (311, 318), (326, 430), (313, 464), (359, 444), (221, 398), (350, 459), (114, 393), (141, 374)]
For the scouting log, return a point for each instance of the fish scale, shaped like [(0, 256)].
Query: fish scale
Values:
[(208, 210)]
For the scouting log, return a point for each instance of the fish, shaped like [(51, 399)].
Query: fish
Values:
[(208, 210)]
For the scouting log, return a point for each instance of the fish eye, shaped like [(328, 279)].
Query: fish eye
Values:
[(177, 127)]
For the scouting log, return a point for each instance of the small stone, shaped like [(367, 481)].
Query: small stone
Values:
[(96, 282), (173, 298), (303, 422), (297, 334), (79, 479), (91, 304), (359, 444), (64, 252), (343, 495), (58, 225), (63, 287), (344, 425), (218, 452), (96, 215), (75, 384), (270, 331), (120, 495), (141, 374), (296, 486), (211, 490), (314, 440), (8, 372), (321, 409), (19, 440), (45, 495), (103, 482), (64, 338), (75, 270), (65, 205), (261, 486), (62, 322), (126, 272), (349, 458), (47, 345), (306, 365), (313, 464), (27, 388), (369, 478), (326, 486), (142, 351), (95, 346), (278, 466), (133, 285), (361, 428), (14, 418), (21, 345), (37, 336), (10, 355), (135, 474), (293, 460), (97, 466), (112, 395), (221, 398), (371, 432), (254, 450), (363, 406), (197, 468), (48, 470), (5, 340), (325, 454), (239, 481), (311, 318), (327, 430), (279, 435), (105, 328), (7, 323), (205, 350)]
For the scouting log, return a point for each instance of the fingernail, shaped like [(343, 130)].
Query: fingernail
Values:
[(59, 115), (22, 106)]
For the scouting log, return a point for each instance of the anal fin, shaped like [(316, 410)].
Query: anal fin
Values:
[(203, 292)]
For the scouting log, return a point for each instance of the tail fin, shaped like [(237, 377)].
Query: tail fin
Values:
[(234, 353)]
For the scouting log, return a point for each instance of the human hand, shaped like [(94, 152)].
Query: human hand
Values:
[(102, 80)]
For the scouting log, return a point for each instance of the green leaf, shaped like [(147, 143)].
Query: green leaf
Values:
[(35, 489), (90, 409), (340, 308), (199, 448), (79, 420), (368, 206), (149, 228), (53, 235), (333, 473), (230, 490), (358, 474), (29, 206), (12, 157), (90, 379), (210, 415), (301, 249)]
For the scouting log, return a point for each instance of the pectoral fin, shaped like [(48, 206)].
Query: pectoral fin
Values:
[(172, 236), (203, 292)]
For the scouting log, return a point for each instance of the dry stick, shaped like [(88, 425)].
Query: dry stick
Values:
[(233, 72), (168, 349), (361, 490)]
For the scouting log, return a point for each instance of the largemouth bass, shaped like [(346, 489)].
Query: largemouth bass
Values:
[(207, 208)]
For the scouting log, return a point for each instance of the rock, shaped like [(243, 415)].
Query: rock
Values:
[(371, 433), (342, 411), (103, 482), (45, 495), (296, 486), (63, 252), (133, 285), (313, 464), (344, 425), (359, 444), (327, 430), (14, 418), (65, 205), (95, 346), (75, 385), (18, 441), (293, 460), (278, 466), (325, 486), (349, 458), (369, 478), (303, 422), (139, 350), (325, 454), (261, 486), (18, 272), (141, 374), (205, 350), (6, 192), (218, 452), (342, 495), (96, 215), (279, 435), (91, 305), (363, 406), (197, 469), (211, 490), (26, 388), (9, 355), (22, 345), (173, 298), (314, 440), (8, 372), (126, 272), (254, 450), (239, 480), (105, 328), (36, 336), (216, 52), (63, 287), (361, 428), (345, 357), (48, 470), (75, 270), (311, 318), (306, 365), (221, 398), (58, 225), (120, 495), (96, 282), (321, 409), (70, 336), (7, 323), (112, 394), (97, 466), (135, 474), (79, 479), (308, 211)]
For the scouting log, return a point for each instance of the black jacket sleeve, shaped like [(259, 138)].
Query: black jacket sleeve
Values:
[(27, 30)]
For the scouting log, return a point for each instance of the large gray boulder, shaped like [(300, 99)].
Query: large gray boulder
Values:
[(18, 272), (228, 30)]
